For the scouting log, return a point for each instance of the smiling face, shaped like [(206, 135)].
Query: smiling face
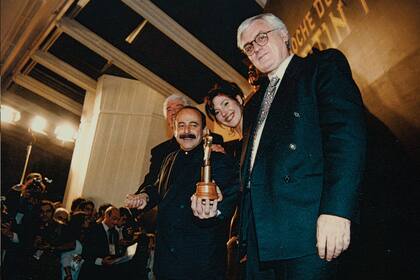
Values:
[(188, 129), (269, 57), (227, 110)]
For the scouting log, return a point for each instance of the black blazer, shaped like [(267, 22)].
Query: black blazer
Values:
[(96, 246), (187, 247), (310, 157)]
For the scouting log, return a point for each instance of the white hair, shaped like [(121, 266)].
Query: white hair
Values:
[(173, 97), (269, 18)]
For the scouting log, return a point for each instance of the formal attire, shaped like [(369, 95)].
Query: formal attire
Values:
[(304, 159), (187, 247), (101, 241)]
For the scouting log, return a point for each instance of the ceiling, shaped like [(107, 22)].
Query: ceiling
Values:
[(59, 51)]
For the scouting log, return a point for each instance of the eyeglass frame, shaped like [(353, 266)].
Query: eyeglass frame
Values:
[(255, 40)]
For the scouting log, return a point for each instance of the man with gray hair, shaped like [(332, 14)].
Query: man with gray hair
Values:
[(171, 106), (303, 160)]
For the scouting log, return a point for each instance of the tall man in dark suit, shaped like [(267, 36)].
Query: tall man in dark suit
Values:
[(187, 247), (302, 158)]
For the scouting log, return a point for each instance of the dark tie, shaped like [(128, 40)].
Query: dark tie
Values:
[(269, 95), (266, 103), (111, 236)]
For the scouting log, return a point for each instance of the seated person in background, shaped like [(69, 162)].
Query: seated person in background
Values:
[(75, 204), (101, 212), (61, 215), (51, 239), (88, 206), (101, 247)]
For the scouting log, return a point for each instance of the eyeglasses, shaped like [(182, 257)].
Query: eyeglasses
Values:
[(261, 40)]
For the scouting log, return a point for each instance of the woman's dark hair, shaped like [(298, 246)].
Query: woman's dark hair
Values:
[(230, 90), (76, 202), (83, 204)]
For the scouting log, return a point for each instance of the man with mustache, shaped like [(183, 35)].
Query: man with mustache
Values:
[(188, 247)]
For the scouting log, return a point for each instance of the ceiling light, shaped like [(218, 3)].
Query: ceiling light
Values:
[(65, 132), (38, 124), (9, 114)]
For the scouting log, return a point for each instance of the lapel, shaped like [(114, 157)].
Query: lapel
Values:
[(104, 235), (165, 173), (283, 96)]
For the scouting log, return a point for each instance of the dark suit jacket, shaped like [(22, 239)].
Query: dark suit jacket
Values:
[(310, 157), (187, 247), (96, 246)]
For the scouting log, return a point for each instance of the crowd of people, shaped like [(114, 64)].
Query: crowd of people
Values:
[(43, 240)]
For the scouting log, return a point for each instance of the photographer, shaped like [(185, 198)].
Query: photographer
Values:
[(23, 204)]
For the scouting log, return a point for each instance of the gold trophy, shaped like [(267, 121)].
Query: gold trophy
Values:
[(206, 188)]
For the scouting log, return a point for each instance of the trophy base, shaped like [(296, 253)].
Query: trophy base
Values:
[(206, 190)]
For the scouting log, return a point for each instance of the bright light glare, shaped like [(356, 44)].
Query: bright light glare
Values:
[(38, 124), (9, 114), (65, 132)]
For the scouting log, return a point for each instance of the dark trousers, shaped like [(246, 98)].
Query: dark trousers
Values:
[(310, 267), (254, 269)]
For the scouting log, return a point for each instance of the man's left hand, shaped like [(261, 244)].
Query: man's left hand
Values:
[(333, 236), (204, 208)]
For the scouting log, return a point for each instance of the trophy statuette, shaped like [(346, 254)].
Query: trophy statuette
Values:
[(206, 188)]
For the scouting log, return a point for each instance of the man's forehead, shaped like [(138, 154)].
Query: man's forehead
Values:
[(175, 102), (254, 28), (188, 115)]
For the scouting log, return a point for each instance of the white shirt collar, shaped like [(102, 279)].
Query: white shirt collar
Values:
[(105, 226), (281, 69)]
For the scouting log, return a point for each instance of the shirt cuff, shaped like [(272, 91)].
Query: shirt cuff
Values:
[(15, 238), (98, 261)]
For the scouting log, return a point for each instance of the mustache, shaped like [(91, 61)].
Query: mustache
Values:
[(187, 135)]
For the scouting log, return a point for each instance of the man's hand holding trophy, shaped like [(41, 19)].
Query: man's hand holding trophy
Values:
[(207, 195)]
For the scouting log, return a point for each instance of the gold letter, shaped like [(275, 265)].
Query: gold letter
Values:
[(294, 45), (319, 7), (365, 6), (304, 30), (327, 31), (309, 20), (328, 2), (300, 41), (339, 22), (316, 40)]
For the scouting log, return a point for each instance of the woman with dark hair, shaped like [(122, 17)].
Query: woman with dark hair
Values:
[(225, 105)]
